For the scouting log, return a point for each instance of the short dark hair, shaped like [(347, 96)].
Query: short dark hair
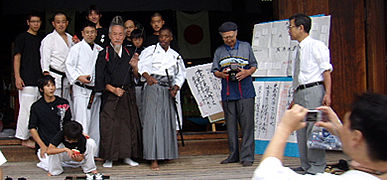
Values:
[(156, 14), (302, 19), (59, 13), (72, 130), (43, 81), (137, 34), (369, 115), (88, 23), (93, 8), (33, 14), (166, 28)]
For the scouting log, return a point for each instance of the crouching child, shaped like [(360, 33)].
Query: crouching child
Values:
[(71, 145)]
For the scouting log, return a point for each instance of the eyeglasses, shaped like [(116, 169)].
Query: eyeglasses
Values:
[(229, 37)]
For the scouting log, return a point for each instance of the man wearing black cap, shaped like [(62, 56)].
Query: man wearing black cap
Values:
[(234, 62)]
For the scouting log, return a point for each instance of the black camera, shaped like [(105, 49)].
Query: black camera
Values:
[(234, 69)]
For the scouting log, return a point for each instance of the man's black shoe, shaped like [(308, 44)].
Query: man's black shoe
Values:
[(297, 169), (247, 163), (226, 161)]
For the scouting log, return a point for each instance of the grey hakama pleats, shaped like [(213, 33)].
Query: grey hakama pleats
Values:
[(159, 118)]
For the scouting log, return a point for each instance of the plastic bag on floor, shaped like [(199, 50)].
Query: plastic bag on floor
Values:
[(320, 138)]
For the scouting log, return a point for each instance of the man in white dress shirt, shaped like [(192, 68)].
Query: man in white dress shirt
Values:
[(312, 86), (53, 51), (80, 72)]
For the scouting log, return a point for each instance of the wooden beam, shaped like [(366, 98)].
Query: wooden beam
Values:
[(376, 70)]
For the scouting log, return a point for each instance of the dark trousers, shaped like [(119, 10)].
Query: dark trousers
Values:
[(242, 112)]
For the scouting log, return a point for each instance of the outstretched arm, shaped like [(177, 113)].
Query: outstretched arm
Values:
[(291, 121)]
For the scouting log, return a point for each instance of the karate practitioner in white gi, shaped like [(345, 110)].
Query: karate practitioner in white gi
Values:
[(80, 71), (53, 51)]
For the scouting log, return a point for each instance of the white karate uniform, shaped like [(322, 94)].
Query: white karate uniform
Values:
[(53, 52), (81, 61), (27, 96), (43, 162), (87, 164)]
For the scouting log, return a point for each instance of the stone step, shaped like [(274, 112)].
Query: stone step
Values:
[(195, 144)]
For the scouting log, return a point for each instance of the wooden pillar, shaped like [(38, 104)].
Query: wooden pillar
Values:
[(376, 74), (348, 52)]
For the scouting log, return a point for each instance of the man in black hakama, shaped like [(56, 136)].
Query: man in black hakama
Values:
[(120, 126)]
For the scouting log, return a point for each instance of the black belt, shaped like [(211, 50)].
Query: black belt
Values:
[(61, 79), (84, 85), (304, 86), (57, 71)]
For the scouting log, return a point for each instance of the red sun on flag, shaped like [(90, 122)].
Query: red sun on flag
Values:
[(193, 34)]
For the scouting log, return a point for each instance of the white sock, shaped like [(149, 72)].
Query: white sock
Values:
[(108, 164), (130, 162)]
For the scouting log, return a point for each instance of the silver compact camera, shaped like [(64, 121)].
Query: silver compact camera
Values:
[(313, 115)]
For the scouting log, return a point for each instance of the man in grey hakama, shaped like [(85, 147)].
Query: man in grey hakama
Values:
[(159, 115)]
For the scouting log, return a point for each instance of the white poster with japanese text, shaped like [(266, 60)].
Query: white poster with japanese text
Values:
[(273, 98), (205, 88)]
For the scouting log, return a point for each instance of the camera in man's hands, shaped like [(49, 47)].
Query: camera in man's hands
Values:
[(314, 115), (234, 69)]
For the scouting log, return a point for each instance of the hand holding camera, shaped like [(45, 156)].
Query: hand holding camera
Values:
[(331, 121), (222, 74), (233, 71), (293, 119), (237, 73)]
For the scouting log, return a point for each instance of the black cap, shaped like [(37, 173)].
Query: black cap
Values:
[(228, 26)]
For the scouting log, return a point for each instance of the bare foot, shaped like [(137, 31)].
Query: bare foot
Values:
[(49, 174), (155, 165), (94, 172), (98, 159), (28, 143)]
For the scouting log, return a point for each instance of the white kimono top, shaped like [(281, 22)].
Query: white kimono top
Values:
[(81, 61), (154, 60), (53, 51)]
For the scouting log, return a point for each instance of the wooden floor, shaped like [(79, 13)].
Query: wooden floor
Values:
[(186, 167)]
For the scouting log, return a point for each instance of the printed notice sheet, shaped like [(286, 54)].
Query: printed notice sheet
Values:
[(274, 50)]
